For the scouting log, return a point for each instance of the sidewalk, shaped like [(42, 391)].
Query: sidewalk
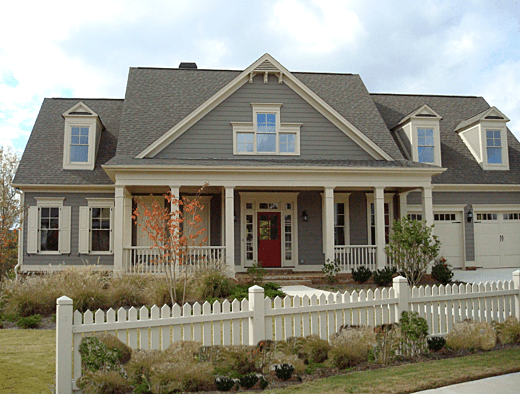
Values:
[(504, 384)]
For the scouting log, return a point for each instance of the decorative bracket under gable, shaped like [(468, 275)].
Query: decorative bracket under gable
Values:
[(266, 68)]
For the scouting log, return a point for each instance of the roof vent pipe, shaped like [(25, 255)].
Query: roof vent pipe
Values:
[(188, 65)]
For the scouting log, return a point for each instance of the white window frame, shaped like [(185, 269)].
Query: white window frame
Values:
[(281, 128), (50, 202), (432, 125), (503, 149), (101, 203), (342, 198), (389, 199)]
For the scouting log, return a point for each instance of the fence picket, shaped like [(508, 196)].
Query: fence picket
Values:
[(235, 323), (144, 342), (297, 317), (385, 308), (315, 324), (354, 299), (305, 316), (166, 331), (245, 323), (269, 319), (197, 328), (187, 329), (155, 332), (217, 325), (226, 324), (288, 318), (362, 310), (132, 333), (322, 316), (331, 316), (488, 303), (121, 318)]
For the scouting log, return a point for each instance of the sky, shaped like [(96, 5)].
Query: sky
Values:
[(84, 49)]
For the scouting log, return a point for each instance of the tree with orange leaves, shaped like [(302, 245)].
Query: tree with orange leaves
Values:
[(173, 232), (11, 212)]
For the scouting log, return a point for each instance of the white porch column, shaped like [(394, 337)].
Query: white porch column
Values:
[(427, 205), (119, 227), (175, 191), (328, 218), (403, 206), (230, 228), (379, 205), (127, 212)]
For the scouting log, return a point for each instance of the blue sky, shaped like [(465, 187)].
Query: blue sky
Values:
[(72, 49)]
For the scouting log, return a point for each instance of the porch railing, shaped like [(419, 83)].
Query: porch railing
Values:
[(143, 259), (353, 256)]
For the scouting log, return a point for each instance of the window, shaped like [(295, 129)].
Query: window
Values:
[(100, 229), (415, 216), (494, 147), (339, 223), (487, 216), (444, 217), (425, 145), (371, 218), (79, 143), (49, 229), (266, 135)]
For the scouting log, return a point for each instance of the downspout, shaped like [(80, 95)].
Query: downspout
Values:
[(20, 234)]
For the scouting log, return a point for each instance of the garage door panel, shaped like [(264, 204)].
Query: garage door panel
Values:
[(448, 227), (510, 231)]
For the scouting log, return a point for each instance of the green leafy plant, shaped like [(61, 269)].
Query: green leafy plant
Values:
[(351, 346), (96, 355), (361, 274), (384, 276), (388, 338), (441, 271), (262, 382), (224, 383), (32, 321), (256, 274), (248, 381), (414, 330), (104, 382), (284, 371), (214, 284), (272, 290), (508, 331), (436, 343), (412, 248), (311, 349), (331, 270)]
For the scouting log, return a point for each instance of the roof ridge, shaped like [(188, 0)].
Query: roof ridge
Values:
[(230, 70), (424, 95), (85, 98)]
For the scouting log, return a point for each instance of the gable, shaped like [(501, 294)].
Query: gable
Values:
[(212, 136)]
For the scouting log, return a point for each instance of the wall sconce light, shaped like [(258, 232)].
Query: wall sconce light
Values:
[(470, 215), (304, 216)]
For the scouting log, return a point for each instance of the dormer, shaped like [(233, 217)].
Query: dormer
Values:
[(419, 136), (485, 135), (81, 137)]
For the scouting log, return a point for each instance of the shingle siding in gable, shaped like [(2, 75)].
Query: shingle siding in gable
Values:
[(212, 136)]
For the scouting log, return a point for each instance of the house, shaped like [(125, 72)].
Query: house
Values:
[(302, 167)]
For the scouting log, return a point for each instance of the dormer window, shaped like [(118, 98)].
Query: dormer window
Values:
[(425, 146), (485, 135), (266, 135), (81, 137)]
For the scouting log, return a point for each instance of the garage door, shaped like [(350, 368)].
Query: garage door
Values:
[(448, 227), (497, 239)]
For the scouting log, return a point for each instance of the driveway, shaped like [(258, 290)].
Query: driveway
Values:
[(505, 384), (484, 275)]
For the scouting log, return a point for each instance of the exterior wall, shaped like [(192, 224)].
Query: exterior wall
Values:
[(469, 198), (310, 235), (74, 200), (358, 219), (212, 136), (215, 235)]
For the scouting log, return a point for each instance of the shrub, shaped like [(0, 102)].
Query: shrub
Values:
[(272, 290), (239, 292), (414, 330), (509, 331), (248, 381), (311, 349), (361, 274), (256, 274), (384, 276), (140, 366), (86, 286), (29, 321), (214, 284), (224, 383), (388, 343), (436, 343), (129, 290), (236, 361), (470, 335), (182, 375), (330, 270), (284, 371), (441, 271), (104, 382), (96, 355), (113, 343), (263, 383), (158, 292), (351, 346)]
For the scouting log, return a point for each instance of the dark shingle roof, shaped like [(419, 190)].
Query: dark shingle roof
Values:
[(42, 160), (462, 166)]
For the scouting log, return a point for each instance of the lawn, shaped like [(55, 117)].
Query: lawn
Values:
[(27, 361)]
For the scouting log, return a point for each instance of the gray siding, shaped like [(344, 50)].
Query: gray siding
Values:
[(358, 219), (215, 236), (212, 136), (310, 236), (74, 200), (469, 199)]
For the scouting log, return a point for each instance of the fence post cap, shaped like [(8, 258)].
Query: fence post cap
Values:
[(400, 279), (516, 273), (64, 300), (256, 289)]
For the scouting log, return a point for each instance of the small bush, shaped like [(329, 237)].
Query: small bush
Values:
[(388, 343), (29, 321), (384, 277), (351, 346), (509, 331), (183, 375), (224, 383), (104, 382), (330, 270), (284, 371), (361, 274), (436, 343), (272, 290), (441, 271), (311, 349), (236, 361), (470, 335), (414, 330), (30, 296), (256, 274), (263, 383), (128, 290), (113, 343), (95, 355), (214, 284), (248, 381), (158, 292)]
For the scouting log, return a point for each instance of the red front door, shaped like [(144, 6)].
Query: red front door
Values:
[(269, 243)]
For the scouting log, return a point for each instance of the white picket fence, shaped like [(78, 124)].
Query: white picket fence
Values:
[(260, 318)]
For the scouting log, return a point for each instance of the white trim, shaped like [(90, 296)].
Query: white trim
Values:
[(312, 98), (68, 188), (49, 202), (389, 199), (461, 188), (100, 202), (415, 208), (495, 207), (343, 198)]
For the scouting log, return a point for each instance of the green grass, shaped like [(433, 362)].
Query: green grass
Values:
[(415, 377), (27, 361)]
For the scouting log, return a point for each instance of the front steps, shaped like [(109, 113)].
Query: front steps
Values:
[(288, 277)]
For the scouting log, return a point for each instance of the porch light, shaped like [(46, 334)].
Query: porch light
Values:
[(304, 216), (470, 215)]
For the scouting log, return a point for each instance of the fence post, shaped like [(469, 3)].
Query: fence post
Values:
[(402, 293), (64, 345), (257, 321), (516, 281)]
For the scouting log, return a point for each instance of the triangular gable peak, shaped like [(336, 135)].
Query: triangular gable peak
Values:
[(267, 65), (80, 109), (423, 112), (492, 114)]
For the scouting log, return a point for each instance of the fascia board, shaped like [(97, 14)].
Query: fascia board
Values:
[(73, 109), (462, 188), (64, 188), (413, 115), (294, 83)]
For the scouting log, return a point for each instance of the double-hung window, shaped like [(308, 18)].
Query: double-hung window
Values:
[(426, 145), (494, 147), (79, 144), (96, 226), (266, 133), (49, 229)]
